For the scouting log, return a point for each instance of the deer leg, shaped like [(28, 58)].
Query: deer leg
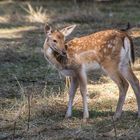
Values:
[(82, 77), (130, 76), (72, 90), (123, 87)]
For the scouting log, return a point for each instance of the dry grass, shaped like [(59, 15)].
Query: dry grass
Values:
[(15, 32), (3, 19), (24, 72), (36, 15)]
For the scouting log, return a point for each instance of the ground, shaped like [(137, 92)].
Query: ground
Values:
[(29, 85)]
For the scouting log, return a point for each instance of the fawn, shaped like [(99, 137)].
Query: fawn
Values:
[(111, 50)]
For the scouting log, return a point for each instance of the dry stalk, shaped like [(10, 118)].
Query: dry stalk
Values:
[(67, 85), (20, 86), (114, 126), (29, 111), (37, 14)]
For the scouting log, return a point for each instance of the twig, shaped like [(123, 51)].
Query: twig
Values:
[(114, 126), (29, 111)]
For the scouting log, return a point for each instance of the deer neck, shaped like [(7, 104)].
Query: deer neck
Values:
[(61, 58)]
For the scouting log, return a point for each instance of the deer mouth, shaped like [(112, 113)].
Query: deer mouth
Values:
[(60, 52)]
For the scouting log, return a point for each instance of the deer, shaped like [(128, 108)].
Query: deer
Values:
[(111, 50)]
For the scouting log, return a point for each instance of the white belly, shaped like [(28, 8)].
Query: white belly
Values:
[(87, 67), (91, 66)]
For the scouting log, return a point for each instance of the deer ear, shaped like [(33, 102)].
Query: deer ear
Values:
[(68, 30), (47, 29)]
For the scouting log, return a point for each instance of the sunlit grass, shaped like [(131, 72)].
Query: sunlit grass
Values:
[(4, 19), (15, 32), (37, 14), (16, 29)]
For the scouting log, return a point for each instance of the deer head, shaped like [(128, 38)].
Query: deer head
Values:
[(55, 40)]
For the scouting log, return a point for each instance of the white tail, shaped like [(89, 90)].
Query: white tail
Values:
[(110, 50)]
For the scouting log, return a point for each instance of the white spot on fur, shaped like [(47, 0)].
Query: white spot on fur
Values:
[(104, 50), (109, 46), (113, 48)]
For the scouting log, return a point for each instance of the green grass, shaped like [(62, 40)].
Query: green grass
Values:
[(24, 72)]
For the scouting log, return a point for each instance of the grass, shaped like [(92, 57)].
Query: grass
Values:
[(36, 15), (24, 72)]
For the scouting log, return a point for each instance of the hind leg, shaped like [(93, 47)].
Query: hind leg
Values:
[(122, 84), (130, 76)]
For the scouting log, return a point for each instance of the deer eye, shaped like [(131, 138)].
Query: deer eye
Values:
[(55, 41)]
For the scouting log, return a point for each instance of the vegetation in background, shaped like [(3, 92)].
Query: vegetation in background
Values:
[(28, 81)]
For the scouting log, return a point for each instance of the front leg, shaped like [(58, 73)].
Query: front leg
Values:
[(72, 90), (82, 77)]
